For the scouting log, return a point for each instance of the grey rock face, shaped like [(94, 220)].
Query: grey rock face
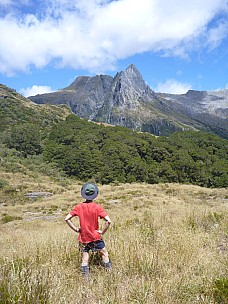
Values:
[(208, 107), (129, 89), (88, 95)]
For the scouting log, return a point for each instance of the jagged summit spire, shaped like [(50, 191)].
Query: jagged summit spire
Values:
[(130, 74), (131, 67), (130, 88), (133, 71)]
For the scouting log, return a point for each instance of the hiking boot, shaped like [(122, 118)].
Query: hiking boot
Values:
[(108, 265), (85, 271)]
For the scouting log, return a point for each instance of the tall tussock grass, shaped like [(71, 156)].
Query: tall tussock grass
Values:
[(167, 244), (23, 282)]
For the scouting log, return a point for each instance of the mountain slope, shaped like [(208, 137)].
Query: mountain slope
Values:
[(210, 108), (16, 109), (126, 100)]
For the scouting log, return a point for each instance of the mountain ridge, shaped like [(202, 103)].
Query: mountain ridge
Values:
[(16, 109), (126, 100)]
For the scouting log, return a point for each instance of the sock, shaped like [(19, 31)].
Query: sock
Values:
[(106, 260)]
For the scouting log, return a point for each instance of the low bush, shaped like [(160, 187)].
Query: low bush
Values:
[(221, 290), (3, 183), (9, 218)]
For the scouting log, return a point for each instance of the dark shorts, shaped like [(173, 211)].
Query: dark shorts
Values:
[(94, 246)]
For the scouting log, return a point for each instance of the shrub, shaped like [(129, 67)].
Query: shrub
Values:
[(221, 290), (9, 218), (3, 183)]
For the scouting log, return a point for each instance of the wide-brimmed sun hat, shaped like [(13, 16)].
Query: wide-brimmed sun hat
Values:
[(89, 191)]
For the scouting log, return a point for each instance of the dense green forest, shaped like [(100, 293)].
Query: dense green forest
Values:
[(107, 154)]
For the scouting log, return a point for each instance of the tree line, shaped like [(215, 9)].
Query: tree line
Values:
[(108, 154)]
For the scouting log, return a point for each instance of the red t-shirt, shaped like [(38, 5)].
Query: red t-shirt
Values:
[(89, 214)]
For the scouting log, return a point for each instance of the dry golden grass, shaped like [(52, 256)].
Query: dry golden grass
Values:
[(167, 243)]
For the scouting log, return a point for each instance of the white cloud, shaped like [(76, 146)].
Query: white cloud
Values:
[(94, 34), (172, 86), (217, 34), (34, 90)]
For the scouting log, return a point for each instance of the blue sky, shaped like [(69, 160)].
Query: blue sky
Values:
[(177, 46)]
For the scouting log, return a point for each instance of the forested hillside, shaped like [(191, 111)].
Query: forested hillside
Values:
[(107, 154), (51, 137)]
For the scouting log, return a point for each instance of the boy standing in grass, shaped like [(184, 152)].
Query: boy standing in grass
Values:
[(89, 234)]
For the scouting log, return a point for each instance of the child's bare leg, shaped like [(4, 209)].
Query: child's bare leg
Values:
[(85, 264), (104, 255), (85, 259)]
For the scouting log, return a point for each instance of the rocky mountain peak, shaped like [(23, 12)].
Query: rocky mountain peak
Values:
[(130, 76), (129, 88), (132, 72), (128, 101)]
